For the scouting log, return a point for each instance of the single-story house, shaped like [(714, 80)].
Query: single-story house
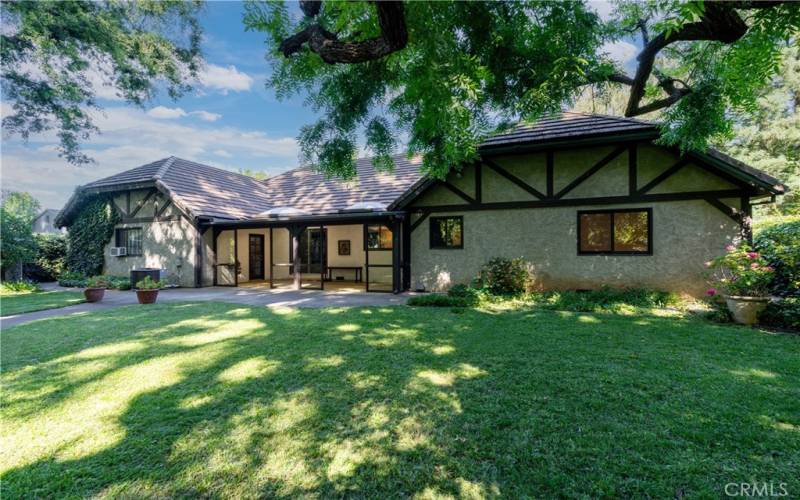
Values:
[(588, 200), (45, 222)]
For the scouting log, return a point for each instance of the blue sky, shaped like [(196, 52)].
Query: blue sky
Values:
[(231, 120)]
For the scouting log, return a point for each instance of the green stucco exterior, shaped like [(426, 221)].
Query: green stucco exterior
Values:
[(685, 233)]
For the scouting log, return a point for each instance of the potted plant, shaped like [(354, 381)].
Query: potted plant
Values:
[(147, 290), (744, 276), (95, 288)]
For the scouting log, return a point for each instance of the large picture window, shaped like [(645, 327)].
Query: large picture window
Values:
[(447, 232), (131, 239), (379, 238), (620, 231)]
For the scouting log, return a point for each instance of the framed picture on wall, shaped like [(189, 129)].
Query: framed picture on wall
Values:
[(344, 247)]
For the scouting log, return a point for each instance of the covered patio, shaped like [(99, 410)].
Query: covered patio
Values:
[(346, 252)]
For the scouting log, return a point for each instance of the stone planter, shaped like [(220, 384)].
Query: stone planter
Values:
[(146, 296), (94, 294), (745, 310)]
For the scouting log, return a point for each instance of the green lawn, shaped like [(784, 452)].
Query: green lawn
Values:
[(213, 400), (23, 302)]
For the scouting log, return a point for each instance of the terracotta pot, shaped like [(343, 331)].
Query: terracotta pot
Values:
[(94, 294), (745, 310), (147, 296)]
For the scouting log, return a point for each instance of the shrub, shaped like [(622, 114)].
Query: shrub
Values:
[(741, 271), (470, 295), (782, 314), (501, 276), (72, 279), (437, 300), (148, 284), (119, 283), (97, 282), (780, 246), (21, 286), (49, 262), (606, 299)]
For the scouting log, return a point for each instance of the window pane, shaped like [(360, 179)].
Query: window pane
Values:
[(595, 232), (379, 238), (446, 232), (630, 232)]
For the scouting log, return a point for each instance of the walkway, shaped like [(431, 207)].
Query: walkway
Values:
[(255, 296)]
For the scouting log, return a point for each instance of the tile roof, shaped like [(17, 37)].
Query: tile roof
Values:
[(205, 191), (567, 125)]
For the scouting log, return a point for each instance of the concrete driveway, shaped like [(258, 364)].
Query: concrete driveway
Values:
[(255, 296)]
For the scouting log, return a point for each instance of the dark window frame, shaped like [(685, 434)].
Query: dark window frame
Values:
[(611, 212), (118, 238), (431, 225), (379, 249)]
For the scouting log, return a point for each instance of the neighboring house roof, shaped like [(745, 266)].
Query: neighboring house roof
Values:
[(204, 191), (52, 212)]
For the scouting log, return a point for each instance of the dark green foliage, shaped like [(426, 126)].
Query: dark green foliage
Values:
[(88, 235), (19, 286), (469, 68), (780, 246), (438, 300), (53, 51), (51, 254), (470, 295), (718, 313), (17, 245), (782, 314), (72, 279), (501, 276), (604, 299), (118, 282)]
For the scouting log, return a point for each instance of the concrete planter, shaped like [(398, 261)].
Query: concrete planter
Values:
[(745, 310), (146, 296), (94, 294)]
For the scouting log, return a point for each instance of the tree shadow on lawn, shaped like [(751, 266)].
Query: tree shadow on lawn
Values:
[(226, 400)]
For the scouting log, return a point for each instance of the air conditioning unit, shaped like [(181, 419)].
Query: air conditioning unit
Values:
[(119, 251)]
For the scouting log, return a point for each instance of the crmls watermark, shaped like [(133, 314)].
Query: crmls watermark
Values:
[(755, 489)]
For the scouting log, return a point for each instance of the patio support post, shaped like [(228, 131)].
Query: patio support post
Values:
[(366, 257), (406, 254), (396, 242), (295, 232), (235, 257), (324, 257), (271, 261), (214, 236)]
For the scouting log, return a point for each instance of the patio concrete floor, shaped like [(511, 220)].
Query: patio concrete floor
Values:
[(251, 296)]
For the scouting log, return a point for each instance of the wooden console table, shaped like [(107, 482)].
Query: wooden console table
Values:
[(343, 268)]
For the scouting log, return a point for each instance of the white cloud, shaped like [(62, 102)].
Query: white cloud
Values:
[(603, 8), (621, 52), (206, 116), (224, 78), (130, 137), (165, 113)]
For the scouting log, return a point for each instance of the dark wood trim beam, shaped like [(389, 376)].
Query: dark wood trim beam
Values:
[(419, 221), (396, 251), (747, 219), (141, 203), (593, 170), (600, 200), (235, 257), (461, 194), (633, 168), (127, 203), (516, 180), (214, 236), (163, 208), (725, 209), (550, 161), (198, 259), (664, 175)]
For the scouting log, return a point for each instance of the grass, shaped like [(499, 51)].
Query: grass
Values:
[(222, 400), (12, 303)]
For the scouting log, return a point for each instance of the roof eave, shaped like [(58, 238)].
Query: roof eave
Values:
[(590, 140)]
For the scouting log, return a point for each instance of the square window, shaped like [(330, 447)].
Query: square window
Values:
[(131, 239), (622, 231), (447, 232), (379, 238)]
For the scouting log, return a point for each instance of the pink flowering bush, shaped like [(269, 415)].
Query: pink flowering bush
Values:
[(741, 271)]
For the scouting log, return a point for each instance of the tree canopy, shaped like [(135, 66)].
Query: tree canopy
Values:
[(55, 54), (17, 245), (443, 75)]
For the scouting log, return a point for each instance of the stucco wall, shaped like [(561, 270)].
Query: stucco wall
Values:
[(168, 245), (685, 233)]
